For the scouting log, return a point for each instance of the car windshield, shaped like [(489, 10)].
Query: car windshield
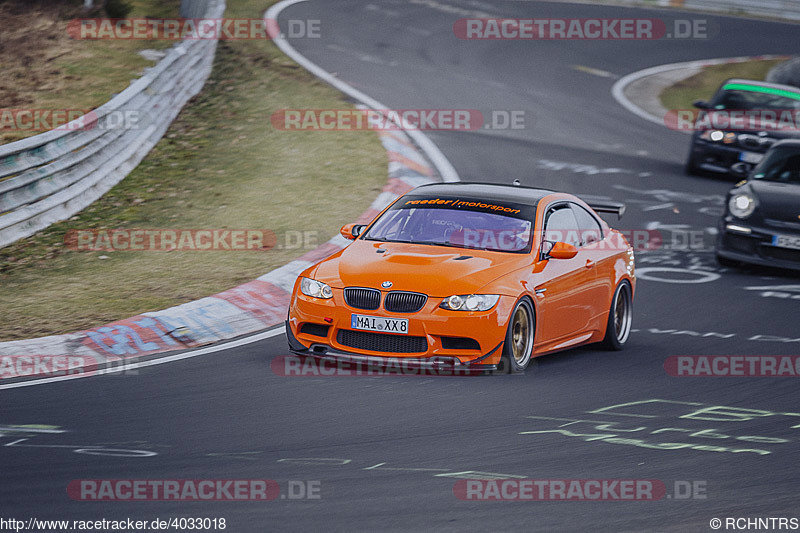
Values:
[(495, 226), (781, 165), (752, 97)]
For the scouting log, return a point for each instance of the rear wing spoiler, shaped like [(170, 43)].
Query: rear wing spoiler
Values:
[(606, 206)]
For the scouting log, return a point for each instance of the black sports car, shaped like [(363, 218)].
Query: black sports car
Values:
[(739, 124), (761, 223)]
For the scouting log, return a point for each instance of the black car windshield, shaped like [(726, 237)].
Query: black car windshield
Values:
[(782, 164), (460, 223), (753, 97)]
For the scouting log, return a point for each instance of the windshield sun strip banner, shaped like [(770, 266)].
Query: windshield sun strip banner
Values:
[(758, 89), (511, 209)]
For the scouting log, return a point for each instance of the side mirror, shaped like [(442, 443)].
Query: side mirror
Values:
[(351, 231), (701, 104), (562, 250), (740, 170)]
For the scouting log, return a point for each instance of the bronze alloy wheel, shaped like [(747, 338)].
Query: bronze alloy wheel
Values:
[(521, 335), (518, 346)]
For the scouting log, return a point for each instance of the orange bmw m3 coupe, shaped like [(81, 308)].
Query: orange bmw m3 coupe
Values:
[(469, 275)]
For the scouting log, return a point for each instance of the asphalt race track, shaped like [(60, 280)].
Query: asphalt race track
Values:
[(386, 452)]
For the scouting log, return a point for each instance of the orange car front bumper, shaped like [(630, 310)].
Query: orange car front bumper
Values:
[(435, 336)]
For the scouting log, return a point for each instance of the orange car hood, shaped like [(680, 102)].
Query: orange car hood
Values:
[(433, 270)]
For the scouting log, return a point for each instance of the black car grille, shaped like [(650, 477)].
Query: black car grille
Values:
[(781, 254), (739, 243), (755, 142), (404, 302), (381, 342), (369, 299)]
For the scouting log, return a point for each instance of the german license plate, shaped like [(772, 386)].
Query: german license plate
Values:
[(786, 241), (751, 157), (379, 323)]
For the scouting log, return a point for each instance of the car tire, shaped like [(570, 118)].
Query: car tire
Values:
[(618, 327), (518, 345), (691, 168)]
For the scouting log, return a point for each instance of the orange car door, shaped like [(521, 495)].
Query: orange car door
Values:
[(602, 251), (564, 298)]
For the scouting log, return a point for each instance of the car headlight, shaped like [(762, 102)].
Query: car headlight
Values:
[(713, 135), (742, 205), (315, 289), (470, 302)]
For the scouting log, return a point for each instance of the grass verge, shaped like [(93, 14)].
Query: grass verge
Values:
[(221, 165), (704, 84), (43, 68)]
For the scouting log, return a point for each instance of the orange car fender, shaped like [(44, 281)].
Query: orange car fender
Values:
[(513, 287)]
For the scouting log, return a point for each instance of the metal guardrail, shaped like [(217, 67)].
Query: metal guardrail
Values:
[(781, 9), (787, 73), (785, 9), (50, 177), (192, 9)]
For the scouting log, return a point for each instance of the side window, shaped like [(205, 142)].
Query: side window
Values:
[(590, 229), (561, 226)]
